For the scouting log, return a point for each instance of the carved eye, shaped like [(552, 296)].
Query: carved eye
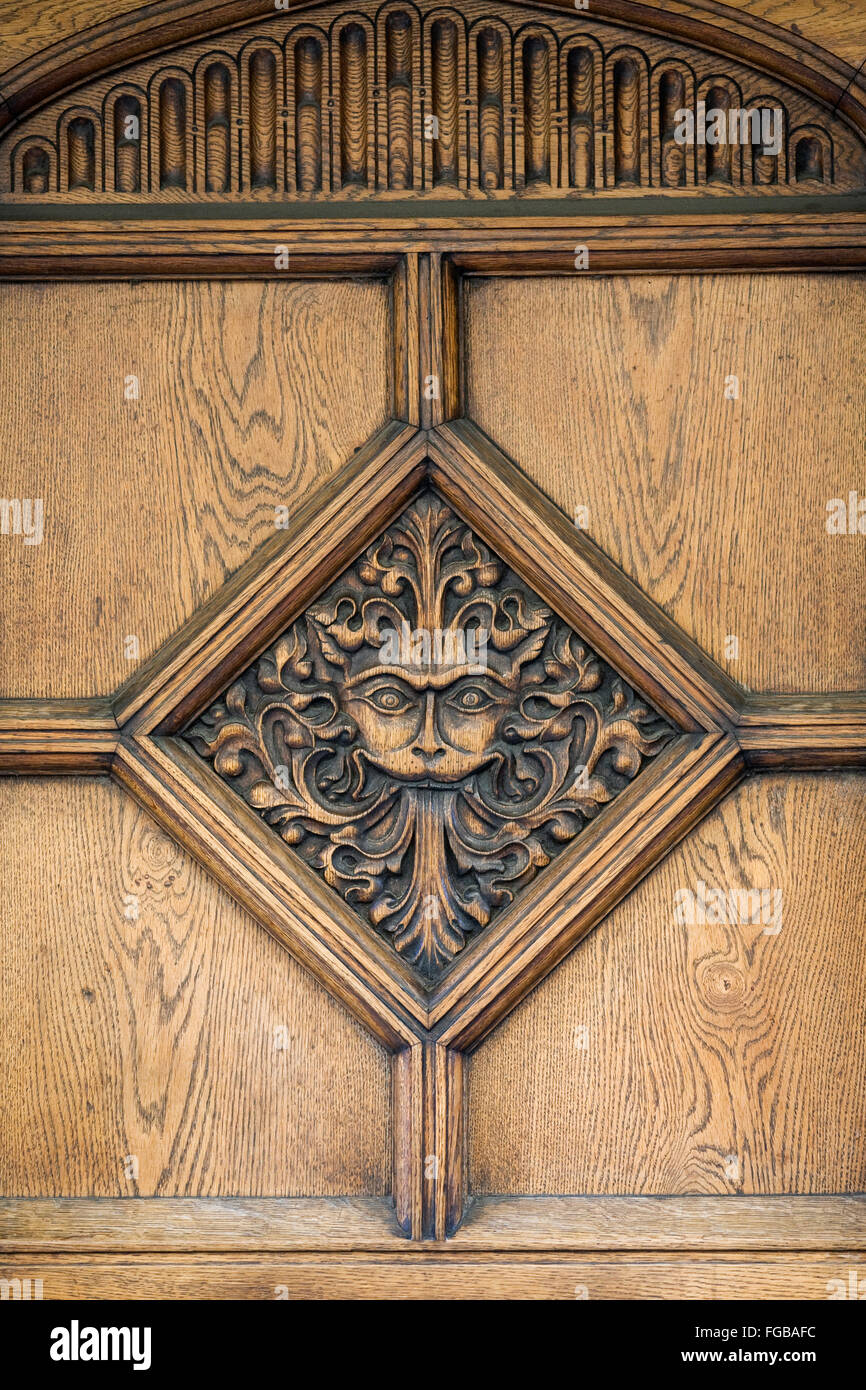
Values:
[(389, 699), (471, 699)]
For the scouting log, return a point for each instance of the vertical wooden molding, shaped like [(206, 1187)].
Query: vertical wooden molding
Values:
[(429, 1140), (398, 44), (127, 147), (440, 340), (719, 157), (406, 330), (536, 110), (81, 153), (407, 1087), (809, 160), (36, 170), (672, 98), (626, 122)]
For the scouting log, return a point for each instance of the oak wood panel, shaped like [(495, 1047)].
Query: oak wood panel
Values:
[(837, 25), (27, 27), (144, 247), (250, 394), (417, 1277), (505, 145), (183, 1036), (620, 407), (492, 1224), (715, 1058)]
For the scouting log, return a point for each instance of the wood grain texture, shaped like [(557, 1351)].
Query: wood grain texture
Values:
[(26, 28), (183, 1036), (57, 736), (797, 731), (513, 140), (145, 248), (426, 763), (620, 407), (249, 395), (834, 24), (492, 1225), (715, 1058), (422, 1277)]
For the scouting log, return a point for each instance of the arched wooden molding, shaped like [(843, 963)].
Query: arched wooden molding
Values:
[(423, 100)]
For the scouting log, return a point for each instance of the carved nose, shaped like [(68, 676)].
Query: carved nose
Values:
[(428, 745)]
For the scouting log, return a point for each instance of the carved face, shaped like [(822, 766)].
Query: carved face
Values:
[(428, 736), (422, 731)]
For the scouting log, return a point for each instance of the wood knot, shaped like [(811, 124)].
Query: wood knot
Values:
[(723, 986)]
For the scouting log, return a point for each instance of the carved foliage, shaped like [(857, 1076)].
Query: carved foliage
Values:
[(413, 99), (428, 736)]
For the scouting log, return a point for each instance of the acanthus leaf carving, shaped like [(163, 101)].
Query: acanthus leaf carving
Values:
[(428, 735)]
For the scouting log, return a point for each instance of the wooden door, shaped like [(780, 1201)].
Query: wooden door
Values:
[(433, 668)]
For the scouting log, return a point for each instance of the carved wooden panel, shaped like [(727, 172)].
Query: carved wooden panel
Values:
[(415, 100), (429, 736)]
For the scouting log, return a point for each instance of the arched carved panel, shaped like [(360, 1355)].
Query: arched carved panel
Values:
[(426, 100)]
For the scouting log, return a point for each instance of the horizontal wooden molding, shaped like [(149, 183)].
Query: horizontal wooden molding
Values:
[(68, 250), (57, 736), (493, 1224), (804, 731), (425, 101)]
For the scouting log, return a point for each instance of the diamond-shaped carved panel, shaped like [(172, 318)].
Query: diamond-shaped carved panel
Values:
[(428, 735)]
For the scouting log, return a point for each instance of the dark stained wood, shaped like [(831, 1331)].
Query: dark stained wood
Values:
[(57, 736), (512, 141), (803, 731)]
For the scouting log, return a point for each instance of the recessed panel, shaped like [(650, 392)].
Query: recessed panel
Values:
[(708, 1036), (154, 1040), (153, 435)]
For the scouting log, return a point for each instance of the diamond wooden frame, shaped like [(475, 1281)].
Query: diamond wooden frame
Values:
[(725, 732)]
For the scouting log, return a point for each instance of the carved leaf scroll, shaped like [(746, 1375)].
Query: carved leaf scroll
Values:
[(428, 736)]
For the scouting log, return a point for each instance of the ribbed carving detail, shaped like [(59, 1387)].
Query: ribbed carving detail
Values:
[(490, 125), (446, 102), (353, 105), (398, 31), (536, 110), (719, 156), (581, 121), (626, 121), (36, 170), (765, 166), (81, 142), (217, 109), (672, 98), (809, 160), (263, 119), (480, 102), (172, 134), (308, 120), (127, 144)]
